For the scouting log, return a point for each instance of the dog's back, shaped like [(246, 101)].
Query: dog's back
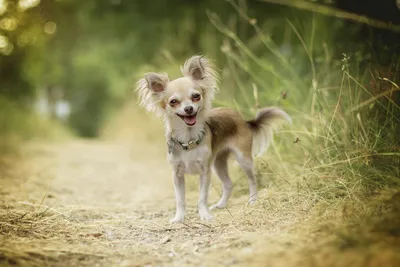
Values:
[(226, 126)]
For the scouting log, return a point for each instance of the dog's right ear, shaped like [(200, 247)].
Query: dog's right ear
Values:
[(150, 90)]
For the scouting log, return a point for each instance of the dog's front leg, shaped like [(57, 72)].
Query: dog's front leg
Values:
[(205, 178), (179, 186)]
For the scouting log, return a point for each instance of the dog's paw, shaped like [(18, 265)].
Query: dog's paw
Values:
[(205, 215), (217, 206), (251, 201), (177, 219)]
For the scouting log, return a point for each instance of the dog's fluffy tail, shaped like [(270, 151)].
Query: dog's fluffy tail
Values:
[(262, 128)]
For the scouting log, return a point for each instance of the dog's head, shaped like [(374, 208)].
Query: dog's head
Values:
[(184, 97)]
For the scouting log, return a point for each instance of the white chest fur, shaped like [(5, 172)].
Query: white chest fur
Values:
[(193, 161)]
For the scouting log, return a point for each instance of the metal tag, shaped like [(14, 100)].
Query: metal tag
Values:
[(191, 145)]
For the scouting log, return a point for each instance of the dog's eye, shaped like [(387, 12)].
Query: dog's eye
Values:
[(196, 96), (173, 102)]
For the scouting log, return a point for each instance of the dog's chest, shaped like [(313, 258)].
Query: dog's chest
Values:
[(193, 161)]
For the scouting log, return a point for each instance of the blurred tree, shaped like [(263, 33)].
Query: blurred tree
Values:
[(21, 29), (90, 48)]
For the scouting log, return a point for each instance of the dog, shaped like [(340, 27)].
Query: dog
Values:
[(200, 137)]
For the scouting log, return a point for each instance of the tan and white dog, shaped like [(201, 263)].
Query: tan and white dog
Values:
[(200, 137)]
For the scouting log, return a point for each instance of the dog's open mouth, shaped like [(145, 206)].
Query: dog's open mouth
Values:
[(189, 120)]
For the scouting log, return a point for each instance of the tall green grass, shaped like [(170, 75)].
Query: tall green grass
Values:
[(342, 152), (345, 130)]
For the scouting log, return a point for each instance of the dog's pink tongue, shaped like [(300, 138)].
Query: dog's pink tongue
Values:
[(190, 119)]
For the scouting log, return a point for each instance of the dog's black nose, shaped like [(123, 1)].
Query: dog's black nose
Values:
[(188, 109)]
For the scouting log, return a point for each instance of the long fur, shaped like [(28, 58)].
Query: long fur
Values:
[(210, 78), (150, 100), (262, 128)]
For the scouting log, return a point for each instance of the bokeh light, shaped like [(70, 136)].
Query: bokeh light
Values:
[(50, 27), (6, 47), (26, 4), (3, 41), (8, 24), (3, 7)]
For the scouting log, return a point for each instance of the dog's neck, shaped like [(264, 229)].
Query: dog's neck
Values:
[(178, 130)]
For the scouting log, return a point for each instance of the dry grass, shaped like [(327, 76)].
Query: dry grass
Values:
[(96, 203)]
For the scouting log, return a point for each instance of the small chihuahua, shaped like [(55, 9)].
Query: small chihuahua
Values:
[(199, 137)]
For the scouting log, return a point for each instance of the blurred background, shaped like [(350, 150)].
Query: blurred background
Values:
[(76, 62), (329, 183)]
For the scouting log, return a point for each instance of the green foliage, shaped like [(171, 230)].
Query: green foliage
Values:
[(344, 140), (95, 50), (106, 40)]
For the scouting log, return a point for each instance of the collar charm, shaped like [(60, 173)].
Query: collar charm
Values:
[(191, 144), (185, 146)]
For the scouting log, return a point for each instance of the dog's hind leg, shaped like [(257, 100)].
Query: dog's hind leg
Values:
[(221, 168), (245, 161)]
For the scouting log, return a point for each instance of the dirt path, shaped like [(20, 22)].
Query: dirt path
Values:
[(92, 203)]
